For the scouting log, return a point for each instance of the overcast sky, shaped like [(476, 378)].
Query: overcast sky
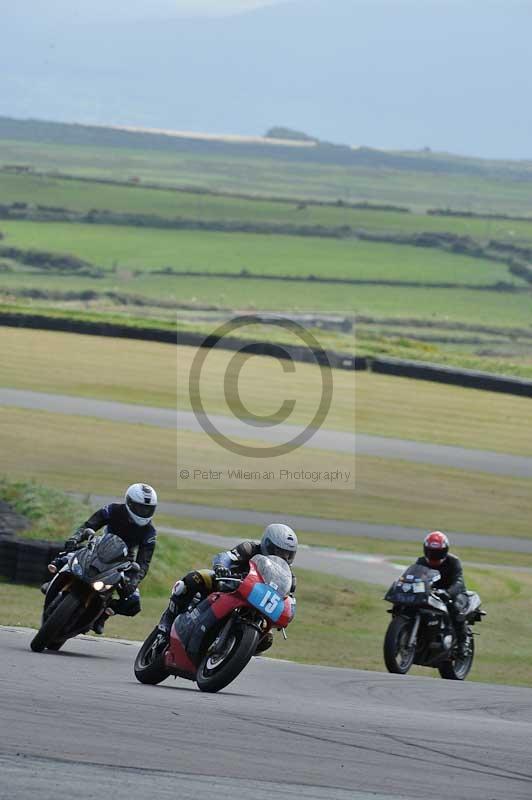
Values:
[(149, 9), (453, 75), (215, 6)]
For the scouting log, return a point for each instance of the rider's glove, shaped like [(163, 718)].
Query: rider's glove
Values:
[(130, 585), (221, 572), (71, 543), (443, 593)]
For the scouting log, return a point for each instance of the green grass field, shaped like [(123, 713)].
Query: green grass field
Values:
[(83, 196), (424, 304), (130, 254), (125, 248), (474, 307), (266, 176)]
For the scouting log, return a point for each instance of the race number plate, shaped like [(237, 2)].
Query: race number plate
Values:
[(266, 599)]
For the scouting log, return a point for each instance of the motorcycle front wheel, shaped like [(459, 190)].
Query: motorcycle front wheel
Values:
[(457, 669), (398, 657), (149, 663), (217, 670), (51, 630)]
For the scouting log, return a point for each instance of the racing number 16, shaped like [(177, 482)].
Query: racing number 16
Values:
[(269, 601)]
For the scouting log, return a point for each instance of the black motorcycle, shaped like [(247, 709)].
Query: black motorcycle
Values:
[(81, 590), (422, 631)]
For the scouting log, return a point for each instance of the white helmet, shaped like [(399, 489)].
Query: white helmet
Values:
[(141, 502), (279, 540)]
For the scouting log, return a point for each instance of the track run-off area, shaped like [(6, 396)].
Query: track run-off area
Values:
[(329, 440), (281, 728)]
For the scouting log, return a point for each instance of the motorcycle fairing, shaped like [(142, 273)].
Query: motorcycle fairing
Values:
[(176, 657), (250, 585), (107, 550)]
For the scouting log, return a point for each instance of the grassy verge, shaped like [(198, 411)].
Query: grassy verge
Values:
[(397, 551), (157, 375), (339, 622), (52, 514)]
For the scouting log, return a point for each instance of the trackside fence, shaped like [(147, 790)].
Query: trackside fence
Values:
[(416, 370)]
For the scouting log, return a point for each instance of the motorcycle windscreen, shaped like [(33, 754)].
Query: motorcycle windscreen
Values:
[(275, 572), (421, 572), (413, 585), (110, 548)]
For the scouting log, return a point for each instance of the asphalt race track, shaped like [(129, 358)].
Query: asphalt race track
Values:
[(324, 439), (77, 724)]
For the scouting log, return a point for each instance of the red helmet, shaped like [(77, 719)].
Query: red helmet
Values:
[(436, 547)]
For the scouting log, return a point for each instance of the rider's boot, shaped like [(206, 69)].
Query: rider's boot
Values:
[(462, 635), (99, 624), (179, 600)]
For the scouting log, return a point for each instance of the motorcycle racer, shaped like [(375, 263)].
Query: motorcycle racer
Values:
[(277, 540), (132, 522), (451, 586)]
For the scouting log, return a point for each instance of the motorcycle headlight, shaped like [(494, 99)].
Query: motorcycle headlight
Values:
[(98, 585)]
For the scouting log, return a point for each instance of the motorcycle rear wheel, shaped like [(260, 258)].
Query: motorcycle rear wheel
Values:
[(458, 668), (149, 663), (216, 672), (397, 657), (51, 630)]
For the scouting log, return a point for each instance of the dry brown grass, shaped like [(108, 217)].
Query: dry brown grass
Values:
[(156, 374), (88, 455)]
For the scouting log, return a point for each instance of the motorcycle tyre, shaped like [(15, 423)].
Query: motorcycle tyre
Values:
[(242, 654), (391, 645), (154, 672), (449, 671), (50, 631)]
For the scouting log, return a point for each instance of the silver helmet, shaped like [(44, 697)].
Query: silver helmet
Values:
[(279, 540)]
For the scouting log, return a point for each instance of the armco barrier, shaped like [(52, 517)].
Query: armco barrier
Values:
[(418, 370), (190, 338), (26, 560), (452, 375), (8, 557)]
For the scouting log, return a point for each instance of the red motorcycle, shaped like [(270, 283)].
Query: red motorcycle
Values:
[(212, 641)]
